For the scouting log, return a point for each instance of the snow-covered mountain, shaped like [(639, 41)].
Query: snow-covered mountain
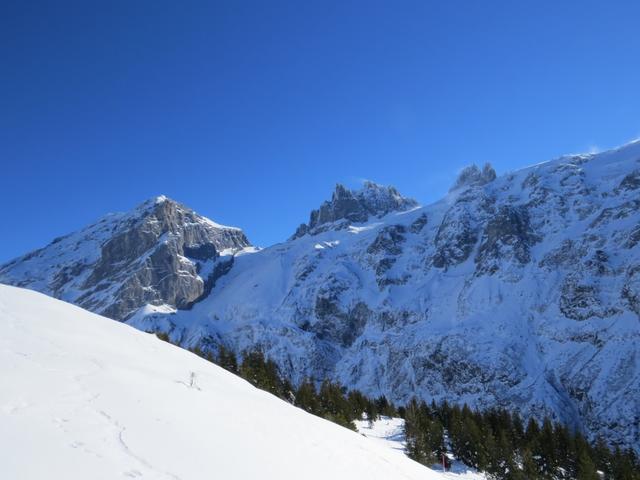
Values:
[(521, 291), (86, 397), (160, 253)]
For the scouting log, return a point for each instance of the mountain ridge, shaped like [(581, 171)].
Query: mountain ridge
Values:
[(520, 292)]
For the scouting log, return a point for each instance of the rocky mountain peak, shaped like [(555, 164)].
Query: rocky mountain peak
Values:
[(160, 204), (355, 206), (381, 199), (472, 175), (159, 253), (153, 201)]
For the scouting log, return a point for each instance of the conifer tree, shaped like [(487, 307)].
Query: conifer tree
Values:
[(435, 440), (531, 433), (164, 336), (227, 359), (517, 430), (565, 447), (372, 411), (415, 444), (586, 469), (306, 398), (624, 465), (529, 466), (262, 373), (602, 456), (546, 448)]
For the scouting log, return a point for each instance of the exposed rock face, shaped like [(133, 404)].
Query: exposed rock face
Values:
[(472, 176), (507, 237), (631, 181), (355, 206), (457, 235), (385, 250), (631, 289), (161, 253), (581, 300)]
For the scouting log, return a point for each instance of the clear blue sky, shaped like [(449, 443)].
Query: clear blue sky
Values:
[(250, 112)]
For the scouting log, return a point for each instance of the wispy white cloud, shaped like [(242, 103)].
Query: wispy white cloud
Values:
[(594, 149), (362, 180)]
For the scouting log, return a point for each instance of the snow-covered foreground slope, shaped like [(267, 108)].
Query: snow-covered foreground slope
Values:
[(84, 397)]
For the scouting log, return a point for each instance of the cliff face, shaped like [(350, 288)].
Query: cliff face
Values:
[(161, 254)]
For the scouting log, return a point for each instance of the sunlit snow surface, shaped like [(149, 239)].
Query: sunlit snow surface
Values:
[(84, 397)]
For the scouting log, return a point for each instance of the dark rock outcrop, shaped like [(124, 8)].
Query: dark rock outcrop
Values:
[(355, 206), (472, 176), (507, 236)]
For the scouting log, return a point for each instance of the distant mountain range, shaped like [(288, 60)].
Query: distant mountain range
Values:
[(521, 291)]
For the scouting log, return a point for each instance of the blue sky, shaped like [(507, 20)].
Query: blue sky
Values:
[(250, 112)]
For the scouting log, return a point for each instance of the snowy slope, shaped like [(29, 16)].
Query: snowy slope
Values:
[(521, 291), (85, 397)]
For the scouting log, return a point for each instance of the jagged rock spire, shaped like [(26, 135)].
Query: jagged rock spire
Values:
[(356, 206), (473, 176)]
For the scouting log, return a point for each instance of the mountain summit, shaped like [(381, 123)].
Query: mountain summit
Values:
[(161, 253)]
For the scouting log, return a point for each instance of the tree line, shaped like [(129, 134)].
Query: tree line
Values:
[(328, 400), (494, 441), (499, 443)]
